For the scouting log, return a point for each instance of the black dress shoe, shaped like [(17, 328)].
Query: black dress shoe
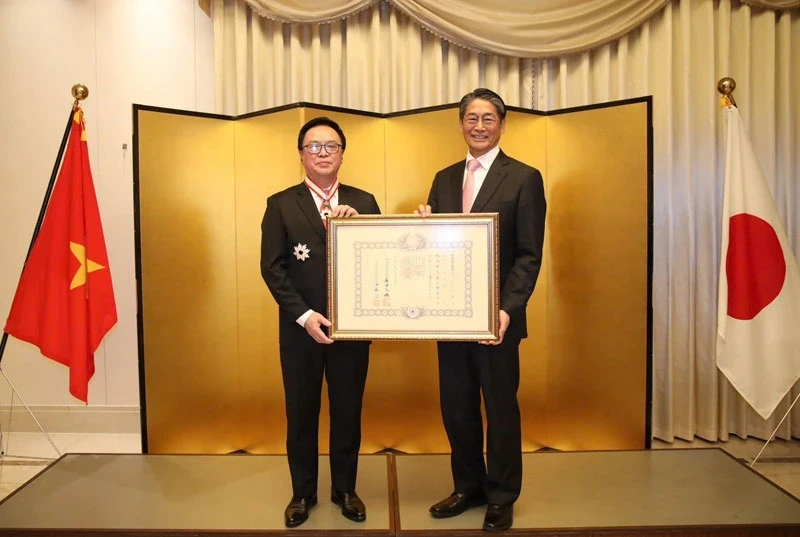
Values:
[(498, 517), (456, 503), (352, 506), (297, 511)]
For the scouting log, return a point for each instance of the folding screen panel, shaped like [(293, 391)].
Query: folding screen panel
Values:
[(597, 303), (186, 249)]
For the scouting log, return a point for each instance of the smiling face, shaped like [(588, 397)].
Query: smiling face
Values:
[(481, 127), (322, 167)]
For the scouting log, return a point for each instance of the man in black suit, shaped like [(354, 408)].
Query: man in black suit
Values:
[(293, 265), (489, 181)]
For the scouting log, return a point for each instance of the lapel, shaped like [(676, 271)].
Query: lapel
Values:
[(456, 189), (491, 182), (344, 195), (307, 206)]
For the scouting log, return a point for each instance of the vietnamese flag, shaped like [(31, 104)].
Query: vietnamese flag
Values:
[(758, 313), (65, 299)]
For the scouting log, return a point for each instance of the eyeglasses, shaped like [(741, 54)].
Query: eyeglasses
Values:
[(316, 147), (488, 120)]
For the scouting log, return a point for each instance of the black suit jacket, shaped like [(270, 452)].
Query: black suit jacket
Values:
[(515, 191), (292, 222)]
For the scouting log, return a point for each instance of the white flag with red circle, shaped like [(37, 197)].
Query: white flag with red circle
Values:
[(758, 315)]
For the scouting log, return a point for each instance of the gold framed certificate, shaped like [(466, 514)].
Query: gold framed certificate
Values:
[(410, 277)]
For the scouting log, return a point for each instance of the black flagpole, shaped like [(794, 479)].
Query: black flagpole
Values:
[(44, 204)]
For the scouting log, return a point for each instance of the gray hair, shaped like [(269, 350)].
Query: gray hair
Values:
[(486, 95)]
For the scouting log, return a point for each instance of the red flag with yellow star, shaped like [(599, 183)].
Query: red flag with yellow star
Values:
[(65, 299)]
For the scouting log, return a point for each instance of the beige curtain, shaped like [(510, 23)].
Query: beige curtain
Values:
[(377, 60), (380, 60), (517, 28), (677, 57)]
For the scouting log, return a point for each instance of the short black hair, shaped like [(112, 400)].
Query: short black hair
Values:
[(486, 95), (316, 122)]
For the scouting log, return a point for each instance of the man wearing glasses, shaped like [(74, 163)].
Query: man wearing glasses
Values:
[(488, 181), (293, 265)]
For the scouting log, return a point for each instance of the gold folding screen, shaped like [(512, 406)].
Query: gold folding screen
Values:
[(597, 306), (208, 342)]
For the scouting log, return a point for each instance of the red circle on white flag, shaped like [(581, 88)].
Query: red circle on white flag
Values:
[(755, 266)]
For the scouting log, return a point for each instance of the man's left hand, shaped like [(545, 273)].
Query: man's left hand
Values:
[(505, 320), (343, 211)]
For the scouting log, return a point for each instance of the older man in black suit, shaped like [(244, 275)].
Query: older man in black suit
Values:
[(489, 181), (293, 265)]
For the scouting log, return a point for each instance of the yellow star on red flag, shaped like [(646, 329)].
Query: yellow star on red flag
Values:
[(87, 265)]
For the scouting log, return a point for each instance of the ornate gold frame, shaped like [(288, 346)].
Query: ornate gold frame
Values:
[(476, 316)]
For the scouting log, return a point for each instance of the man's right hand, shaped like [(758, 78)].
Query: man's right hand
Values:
[(423, 210), (314, 325)]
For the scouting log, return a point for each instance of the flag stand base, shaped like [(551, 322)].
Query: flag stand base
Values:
[(776, 430), (30, 412)]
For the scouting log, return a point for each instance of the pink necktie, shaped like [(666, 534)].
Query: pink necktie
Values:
[(467, 194)]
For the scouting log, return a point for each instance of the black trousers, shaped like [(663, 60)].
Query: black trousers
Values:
[(465, 371), (344, 365)]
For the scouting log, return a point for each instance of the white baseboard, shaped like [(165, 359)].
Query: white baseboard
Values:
[(71, 419)]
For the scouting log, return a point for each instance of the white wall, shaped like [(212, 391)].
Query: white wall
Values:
[(153, 52)]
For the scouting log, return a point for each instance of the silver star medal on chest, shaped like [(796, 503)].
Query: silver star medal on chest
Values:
[(301, 252)]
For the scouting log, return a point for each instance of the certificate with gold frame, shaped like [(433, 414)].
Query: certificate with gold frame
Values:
[(405, 277)]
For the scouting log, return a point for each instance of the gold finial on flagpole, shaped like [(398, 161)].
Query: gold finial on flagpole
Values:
[(726, 86), (79, 92)]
